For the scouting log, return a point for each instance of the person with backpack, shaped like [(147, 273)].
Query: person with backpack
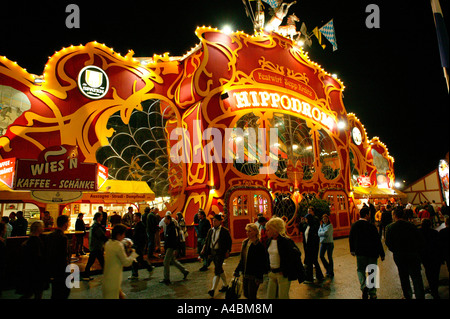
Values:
[(171, 246)]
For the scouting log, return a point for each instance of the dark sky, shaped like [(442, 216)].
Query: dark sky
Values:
[(393, 77)]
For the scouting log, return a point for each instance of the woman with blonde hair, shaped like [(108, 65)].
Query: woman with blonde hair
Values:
[(284, 260), (253, 263), (116, 257)]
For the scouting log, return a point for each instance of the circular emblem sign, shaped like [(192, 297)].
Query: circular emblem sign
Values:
[(357, 136), (93, 82)]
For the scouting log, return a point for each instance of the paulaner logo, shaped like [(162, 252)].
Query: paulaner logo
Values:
[(93, 82)]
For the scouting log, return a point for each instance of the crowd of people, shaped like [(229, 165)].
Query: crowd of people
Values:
[(409, 234), (267, 250)]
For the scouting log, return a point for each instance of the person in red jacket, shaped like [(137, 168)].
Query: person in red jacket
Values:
[(423, 213)]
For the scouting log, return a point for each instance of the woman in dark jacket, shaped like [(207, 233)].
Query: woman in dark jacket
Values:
[(284, 260), (310, 228), (253, 263)]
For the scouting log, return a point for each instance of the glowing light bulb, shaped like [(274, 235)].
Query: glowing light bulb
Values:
[(227, 29)]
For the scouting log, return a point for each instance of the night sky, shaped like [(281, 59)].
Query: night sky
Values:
[(393, 77)]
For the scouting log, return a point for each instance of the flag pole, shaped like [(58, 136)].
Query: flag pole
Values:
[(446, 78), (442, 37)]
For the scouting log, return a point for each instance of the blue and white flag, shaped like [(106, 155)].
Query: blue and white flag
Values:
[(273, 3), (328, 32), (441, 32)]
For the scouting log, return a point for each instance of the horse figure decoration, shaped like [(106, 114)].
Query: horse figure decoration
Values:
[(290, 30), (280, 12)]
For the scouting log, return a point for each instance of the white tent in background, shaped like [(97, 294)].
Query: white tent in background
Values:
[(427, 188)]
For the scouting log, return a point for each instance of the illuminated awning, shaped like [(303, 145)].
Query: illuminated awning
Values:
[(115, 191), (112, 191), (375, 192)]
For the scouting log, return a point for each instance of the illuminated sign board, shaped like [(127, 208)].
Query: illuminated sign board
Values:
[(364, 181), (258, 98), (7, 169), (58, 168), (267, 77)]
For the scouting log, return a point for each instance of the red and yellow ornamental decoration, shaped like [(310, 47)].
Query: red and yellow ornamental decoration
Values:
[(251, 121)]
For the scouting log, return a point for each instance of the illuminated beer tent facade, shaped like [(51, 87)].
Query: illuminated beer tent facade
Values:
[(228, 81)]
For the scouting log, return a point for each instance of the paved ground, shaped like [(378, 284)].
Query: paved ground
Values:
[(343, 286)]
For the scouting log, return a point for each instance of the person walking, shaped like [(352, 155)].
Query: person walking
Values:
[(104, 219), (405, 241), (444, 242), (171, 246), (97, 239), (127, 218), (386, 219), (152, 230), (34, 276), (80, 226), (217, 247), (115, 259), (284, 260), (430, 256), (378, 215), (139, 241), (204, 226), (2, 257), (253, 263), (183, 234), (326, 245), (365, 244), (58, 257), (309, 226)]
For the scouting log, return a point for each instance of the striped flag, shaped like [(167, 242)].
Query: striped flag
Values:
[(318, 36), (441, 32), (328, 32)]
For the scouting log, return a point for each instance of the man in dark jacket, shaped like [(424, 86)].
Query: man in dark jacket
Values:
[(152, 230), (309, 226), (139, 241), (444, 242), (97, 239), (217, 247), (366, 245), (405, 241), (58, 258), (203, 227), (430, 256), (171, 245), (20, 225)]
